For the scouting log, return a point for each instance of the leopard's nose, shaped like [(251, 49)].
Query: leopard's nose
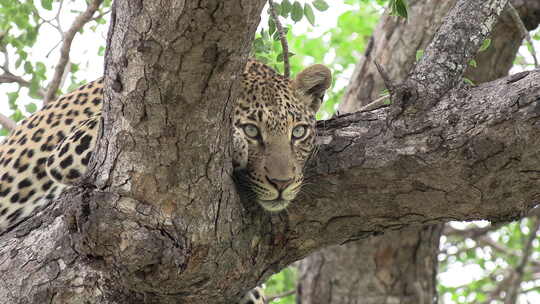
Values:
[(280, 184)]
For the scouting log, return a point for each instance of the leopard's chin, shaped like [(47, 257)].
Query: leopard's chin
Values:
[(276, 205)]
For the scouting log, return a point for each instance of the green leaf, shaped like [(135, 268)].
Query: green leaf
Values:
[(12, 98), (40, 70), (280, 57), (258, 45), (4, 132), (401, 8), (74, 68), (468, 81), (308, 12), (320, 5), (419, 55), (265, 35), (101, 50), (28, 69), (30, 108), (271, 27), (473, 63), (297, 12), (276, 36), (485, 45), (101, 21), (286, 8), (47, 4), (34, 88), (17, 116), (529, 47), (398, 8)]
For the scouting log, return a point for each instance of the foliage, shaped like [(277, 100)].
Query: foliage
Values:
[(339, 47), (280, 283), (490, 257), (494, 254), (21, 23)]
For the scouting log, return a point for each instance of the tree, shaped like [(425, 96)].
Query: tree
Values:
[(401, 264), (172, 230)]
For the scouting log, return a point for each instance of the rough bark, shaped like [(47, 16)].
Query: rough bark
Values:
[(163, 223), (395, 268), (399, 266), (156, 228), (396, 41)]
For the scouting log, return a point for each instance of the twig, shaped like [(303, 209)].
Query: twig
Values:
[(376, 104), (282, 38), (7, 122), (496, 293), (386, 79), (523, 31), (67, 70), (79, 22), (479, 235), (514, 287), (269, 299), (53, 48), (7, 77), (101, 15)]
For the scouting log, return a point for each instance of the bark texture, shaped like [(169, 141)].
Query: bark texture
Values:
[(159, 220), (154, 226), (395, 42), (399, 266), (395, 268)]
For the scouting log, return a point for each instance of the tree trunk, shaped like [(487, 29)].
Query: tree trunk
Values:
[(400, 266), (153, 222), (159, 221)]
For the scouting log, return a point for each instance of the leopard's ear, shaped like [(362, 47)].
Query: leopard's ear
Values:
[(311, 84)]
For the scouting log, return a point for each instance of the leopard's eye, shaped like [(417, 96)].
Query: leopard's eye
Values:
[(299, 132), (251, 130)]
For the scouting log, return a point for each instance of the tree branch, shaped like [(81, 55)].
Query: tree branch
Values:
[(517, 278), (456, 42), (523, 30), (79, 22), (282, 38), (271, 298), (7, 122), (162, 214), (478, 139), (7, 77)]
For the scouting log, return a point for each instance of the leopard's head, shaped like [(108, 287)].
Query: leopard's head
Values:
[(274, 131)]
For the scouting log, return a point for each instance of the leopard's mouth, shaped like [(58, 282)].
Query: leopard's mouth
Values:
[(269, 200), (274, 205)]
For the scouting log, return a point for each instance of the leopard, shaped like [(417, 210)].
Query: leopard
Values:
[(273, 135)]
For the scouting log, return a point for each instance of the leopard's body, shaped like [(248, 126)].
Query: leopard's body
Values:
[(273, 133)]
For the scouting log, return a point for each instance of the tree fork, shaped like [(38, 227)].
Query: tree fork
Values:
[(163, 223)]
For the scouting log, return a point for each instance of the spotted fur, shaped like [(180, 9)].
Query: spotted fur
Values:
[(270, 164), (30, 176), (51, 149)]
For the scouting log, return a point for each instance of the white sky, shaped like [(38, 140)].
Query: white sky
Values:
[(85, 48)]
